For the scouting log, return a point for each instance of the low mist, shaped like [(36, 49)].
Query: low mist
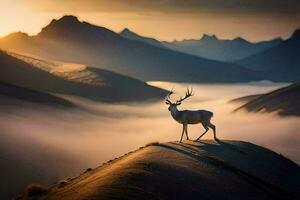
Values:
[(45, 145)]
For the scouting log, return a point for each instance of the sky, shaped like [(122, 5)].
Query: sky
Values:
[(254, 20)]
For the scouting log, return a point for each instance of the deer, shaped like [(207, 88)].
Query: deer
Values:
[(186, 117)]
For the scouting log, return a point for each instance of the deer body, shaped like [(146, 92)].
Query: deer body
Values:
[(186, 117), (191, 116)]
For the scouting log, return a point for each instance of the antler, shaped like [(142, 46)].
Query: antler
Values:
[(187, 95), (168, 101)]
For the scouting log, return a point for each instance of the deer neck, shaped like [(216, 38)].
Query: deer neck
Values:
[(175, 113)]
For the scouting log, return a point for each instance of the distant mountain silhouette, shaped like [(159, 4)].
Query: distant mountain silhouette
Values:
[(70, 40), (126, 33), (285, 101), (84, 81), (279, 63), (209, 46), (224, 50)]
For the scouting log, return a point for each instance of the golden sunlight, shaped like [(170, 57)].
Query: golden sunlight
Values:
[(31, 16)]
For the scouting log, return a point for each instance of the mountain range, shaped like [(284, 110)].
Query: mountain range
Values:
[(275, 60), (279, 63), (70, 40), (224, 50), (209, 46)]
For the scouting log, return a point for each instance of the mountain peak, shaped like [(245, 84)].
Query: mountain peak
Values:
[(68, 18), (296, 34), (125, 30), (240, 39), (65, 24), (127, 33), (65, 20), (209, 37)]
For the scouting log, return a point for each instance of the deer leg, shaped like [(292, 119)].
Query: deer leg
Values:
[(213, 127), (206, 129), (186, 132), (183, 130)]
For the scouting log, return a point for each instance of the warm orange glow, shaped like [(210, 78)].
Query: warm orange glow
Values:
[(16, 17), (31, 16)]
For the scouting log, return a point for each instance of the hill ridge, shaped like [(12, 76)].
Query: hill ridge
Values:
[(283, 100), (173, 163), (88, 82)]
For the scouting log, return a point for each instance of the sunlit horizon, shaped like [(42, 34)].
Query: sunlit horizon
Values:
[(31, 17)]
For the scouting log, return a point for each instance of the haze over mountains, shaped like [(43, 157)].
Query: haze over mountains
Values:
[(224, 50), (209, 46), (70, 40), (275, 60)]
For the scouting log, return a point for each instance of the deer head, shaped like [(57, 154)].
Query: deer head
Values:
[(188, 94)]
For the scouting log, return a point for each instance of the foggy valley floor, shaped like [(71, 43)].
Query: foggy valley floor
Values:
[(42, 144)]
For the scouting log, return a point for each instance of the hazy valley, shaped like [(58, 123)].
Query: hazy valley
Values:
[(77, 96), (95, 132)]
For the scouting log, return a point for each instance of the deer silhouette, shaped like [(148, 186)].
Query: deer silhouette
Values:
[(186, 117)]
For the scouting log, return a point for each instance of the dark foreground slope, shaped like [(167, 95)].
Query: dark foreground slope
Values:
[(87, 82), (190, 170), (285, 101)]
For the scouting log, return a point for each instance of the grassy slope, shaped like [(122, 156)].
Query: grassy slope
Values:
[(210, 170)]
